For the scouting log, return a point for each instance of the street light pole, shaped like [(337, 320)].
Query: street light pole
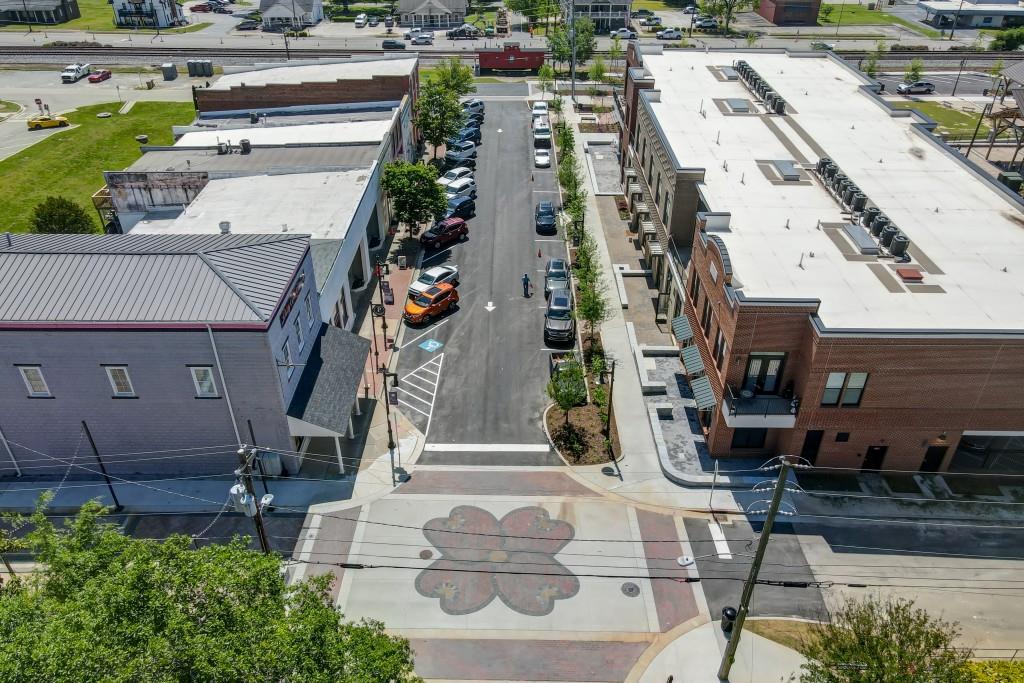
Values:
[(839, 21), (24, 3), (960, 71), (387, 413), (383, 320), (956, 19)]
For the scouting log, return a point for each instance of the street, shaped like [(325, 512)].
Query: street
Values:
[(488, 375)]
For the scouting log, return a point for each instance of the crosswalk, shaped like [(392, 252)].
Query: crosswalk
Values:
[(417, 390)]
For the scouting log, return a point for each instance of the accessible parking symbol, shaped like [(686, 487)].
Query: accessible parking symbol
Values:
[(430, 345)]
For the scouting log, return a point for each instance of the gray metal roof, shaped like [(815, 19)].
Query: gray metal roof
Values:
[(703, 394), (260, 160), (331, 379), (290, 5), (324, 253), (28, 5), (1014, 72), (145, 278)]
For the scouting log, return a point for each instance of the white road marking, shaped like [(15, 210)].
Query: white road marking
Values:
[(500, 131), (721, 545), (540, 240), (426, 415), (490, 306), (405, 391), (443, 252), (440, 361), (421, 335), (489, 447), (432, 366), (545, 191)]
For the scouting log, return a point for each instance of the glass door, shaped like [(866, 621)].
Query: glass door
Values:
[(764, 373)]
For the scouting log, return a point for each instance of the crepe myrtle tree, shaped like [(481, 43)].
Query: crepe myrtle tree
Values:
[(568, 388), (416, 197), (438, 115)]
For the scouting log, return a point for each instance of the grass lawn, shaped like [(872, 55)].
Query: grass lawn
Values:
[(951, 121), (787, 632), (71, 163), (8, 107), (860, 15), (653, 5)]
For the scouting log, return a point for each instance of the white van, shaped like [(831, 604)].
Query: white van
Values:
[(360, 20), (541, 132)]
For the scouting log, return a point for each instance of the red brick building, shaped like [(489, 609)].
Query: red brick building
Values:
[(807, 325), (790, 12)]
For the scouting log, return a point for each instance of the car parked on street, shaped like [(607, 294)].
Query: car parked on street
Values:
[(455, 174), (540, 109), (40, 121), (544, 218), (99, 76), (433, 302), (463, 187), (464, 135), (461, 207), (476, 117), (248, 26), (444, 232), (73, 73), (669, 34), (690, 9), (423, 39), (392, 45), (541, 133), (624, 34), (916, 88), (542, 158), (360, 21), (817, 45), (650, 20), (559, 324), (434, 276), (464, 32), (556, 276), (459, 153), (475, 105), (389, 21)]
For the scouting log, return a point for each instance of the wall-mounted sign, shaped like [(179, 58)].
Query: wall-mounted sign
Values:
[(292, 297)]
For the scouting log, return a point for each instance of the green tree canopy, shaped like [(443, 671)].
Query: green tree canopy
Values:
[(874, 641), (416, 197), (1008, 40), (726, 10), (58, 215), (438, 114), (546, 77), (106, 607), (592, 306), (914, 71), (454, 76), (560, 42), (568, 387)]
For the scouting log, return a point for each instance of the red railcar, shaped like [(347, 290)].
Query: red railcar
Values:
[(510, 57)]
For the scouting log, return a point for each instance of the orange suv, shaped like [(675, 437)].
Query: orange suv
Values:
[(431, 303)]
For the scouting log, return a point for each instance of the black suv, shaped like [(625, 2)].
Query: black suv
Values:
[(559, 324), (461, 207), (544, 216)]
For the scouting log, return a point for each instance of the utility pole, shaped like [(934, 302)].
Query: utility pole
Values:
[(92, 444), (244, 496), (381, 269), (963, 62), (748, 588)]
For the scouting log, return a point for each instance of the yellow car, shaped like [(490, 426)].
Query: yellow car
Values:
[(39, 122)]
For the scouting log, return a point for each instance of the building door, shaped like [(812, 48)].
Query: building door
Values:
[(933, 458), (874, 457), (812, 443), (763, 373)]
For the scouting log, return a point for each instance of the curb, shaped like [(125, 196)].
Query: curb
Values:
[(544, 424)]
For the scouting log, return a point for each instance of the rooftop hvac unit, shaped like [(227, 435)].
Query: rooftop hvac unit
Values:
[(898, 245), (851, 191), (245, 145), (869, 215), (191, 66), (859, 201), (888, 233), (222, 148), (820, 166), (879, 224), (780, 106)]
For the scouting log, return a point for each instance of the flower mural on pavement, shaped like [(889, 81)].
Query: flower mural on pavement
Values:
[(483, 558)]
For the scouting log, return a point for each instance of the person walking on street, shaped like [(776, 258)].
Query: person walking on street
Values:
[(526, 285)]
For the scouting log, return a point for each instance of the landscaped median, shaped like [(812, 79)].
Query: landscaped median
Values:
[(70, 163)]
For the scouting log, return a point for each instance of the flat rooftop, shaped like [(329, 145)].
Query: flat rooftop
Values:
[(314, 133), (326, 72), (966, 235), (258, 160), (320, 205), (289, 117), (972, 9)]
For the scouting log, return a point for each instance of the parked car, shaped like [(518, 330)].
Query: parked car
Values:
[(473, 106), (40, 121), (73, 73), (556, 276), (460, 151), (471, 124), (542, 158), (464, 32), (433, 302), (476, 117), (690, 9), (99, 76), (642, 13), (461, 207), (559, 324), (464, 135), (423, 39), (915, 88), (706, 24), (434, 276), (822, 46), (540, 109), (455, 174), (392, 45), (624, 34), (248, 26), (544, 218), (200, 8), (541, 133), (669, 34), (360, 20), (373, 21), (413, 32), (463, 187), (650, 20), (389, 21), (444, 232)]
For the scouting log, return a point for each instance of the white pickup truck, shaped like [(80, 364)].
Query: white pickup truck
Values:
[(75, 72)]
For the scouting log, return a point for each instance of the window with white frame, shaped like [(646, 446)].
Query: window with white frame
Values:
[(202, 377), (309, 310), (297, 324), (120, 382), (286, 354), (32, 375)]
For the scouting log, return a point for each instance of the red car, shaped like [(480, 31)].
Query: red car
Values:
[(200, 8), (99, 76), (448, 230)]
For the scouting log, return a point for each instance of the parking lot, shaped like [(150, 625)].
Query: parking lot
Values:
[(494, 370)]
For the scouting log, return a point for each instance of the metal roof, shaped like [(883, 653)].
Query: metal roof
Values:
[(145, 278), (703, 394)]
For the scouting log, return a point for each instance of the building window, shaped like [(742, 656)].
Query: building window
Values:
[(764, 372), (286, 353), (202, 377), (32, 375), (854, 388), (719, 350), (749, 438), (695, 290), (705, 317), (120, 382), (833, 387), (716, 348), (842, 437), (297, 324), (309, 310), (844, 388)]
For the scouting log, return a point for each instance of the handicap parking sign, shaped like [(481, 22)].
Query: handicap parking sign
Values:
[(431, 345)]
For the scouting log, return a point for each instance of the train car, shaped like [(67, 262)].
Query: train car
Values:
[(509, 57)]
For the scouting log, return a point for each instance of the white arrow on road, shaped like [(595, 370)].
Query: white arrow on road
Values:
[(490, 306)]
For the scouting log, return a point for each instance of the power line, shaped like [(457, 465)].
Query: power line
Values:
[(944, 474), (830, 494), (880, 520)]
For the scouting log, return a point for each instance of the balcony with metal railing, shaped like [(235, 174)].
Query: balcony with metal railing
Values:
[(744, 409)]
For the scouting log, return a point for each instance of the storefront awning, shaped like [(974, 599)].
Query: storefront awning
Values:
[(681, 329), (692, 362), (330, 380), (702, 393)]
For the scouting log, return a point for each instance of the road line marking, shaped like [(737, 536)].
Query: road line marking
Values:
[(414, 396), (443, 252), (489, 447), (422, 334), (432, 382), (440, 362), (545, 191), (490, 306), (721, 545), (428, 370), (540, 240), (426, 415)]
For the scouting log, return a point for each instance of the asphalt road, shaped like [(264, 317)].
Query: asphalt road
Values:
[(489, 386), (970, 83)]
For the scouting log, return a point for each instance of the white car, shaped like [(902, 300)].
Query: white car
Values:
[(541, 132), (434, 276), (457, 173), (690, 9), (542, 158), (463, 187), (360, 20), (669, 34), (624, 34), (473, 106), (540, 109), (423, 39)]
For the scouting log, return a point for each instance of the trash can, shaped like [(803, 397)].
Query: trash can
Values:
[(728, 619)]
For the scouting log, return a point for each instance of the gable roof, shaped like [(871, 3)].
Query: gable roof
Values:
[(146, 278), (303, 5)]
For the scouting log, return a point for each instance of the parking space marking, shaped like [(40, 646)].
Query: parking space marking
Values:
[(721, 544), (433, 366), (443, 252), (428, 392), (415, 397), (421, 335), (426, 415)]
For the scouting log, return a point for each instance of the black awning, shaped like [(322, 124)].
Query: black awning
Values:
[(331, 380)]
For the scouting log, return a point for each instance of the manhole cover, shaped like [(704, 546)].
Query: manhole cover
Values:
[(630, 589), (426, 554)]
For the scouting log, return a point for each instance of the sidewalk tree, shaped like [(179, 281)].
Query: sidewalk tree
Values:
[(61, 216), (438, 114), (560, 42), (825, 12), (568, 388), (546, 78), (884, 642), (615, 51), (416, 197), (914, 70), (454, 76), (102, 606), (592, 305), (726, 10)]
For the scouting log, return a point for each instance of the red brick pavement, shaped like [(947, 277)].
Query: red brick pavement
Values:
[(675, 601), (494, 483)]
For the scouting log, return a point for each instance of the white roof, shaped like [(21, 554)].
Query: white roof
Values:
[(355, 69), (967, 227), (970, 8), (317, 204), (313, 133)]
